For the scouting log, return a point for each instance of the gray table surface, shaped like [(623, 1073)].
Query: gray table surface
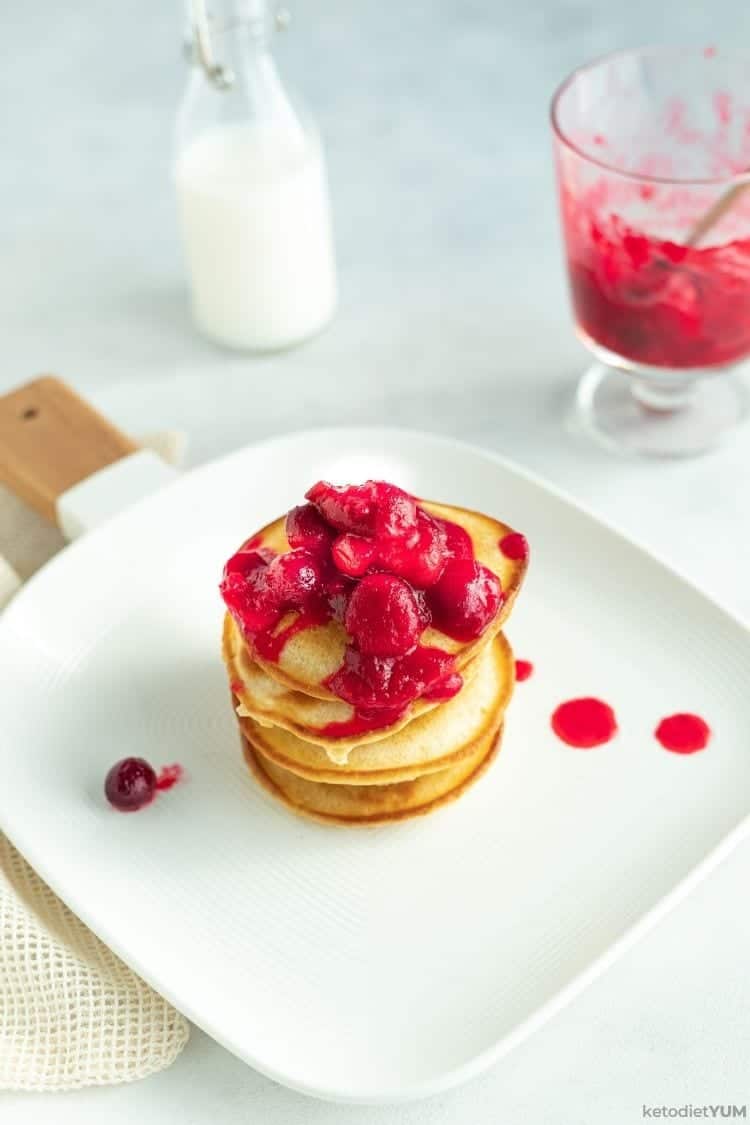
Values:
[(453, 318)]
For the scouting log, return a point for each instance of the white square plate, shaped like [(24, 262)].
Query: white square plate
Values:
[(384, 963)]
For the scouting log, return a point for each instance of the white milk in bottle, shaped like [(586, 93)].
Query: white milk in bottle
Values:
[(253, 200)]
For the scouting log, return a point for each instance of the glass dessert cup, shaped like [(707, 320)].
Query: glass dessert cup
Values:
[(652, 151)]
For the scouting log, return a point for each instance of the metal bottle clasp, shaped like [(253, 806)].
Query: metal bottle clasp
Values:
[(199, 48)]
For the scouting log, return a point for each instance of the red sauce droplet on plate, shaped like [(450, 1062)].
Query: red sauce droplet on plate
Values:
[(524, 669), (169, 776), (584, 723), (514, 546), (683, 733)]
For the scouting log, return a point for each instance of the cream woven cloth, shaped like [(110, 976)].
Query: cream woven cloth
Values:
[(71, 1013)]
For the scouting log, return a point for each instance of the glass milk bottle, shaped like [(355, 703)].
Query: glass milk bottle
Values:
[(251, 189)]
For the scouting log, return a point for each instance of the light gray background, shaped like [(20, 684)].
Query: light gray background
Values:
[(453, 317)]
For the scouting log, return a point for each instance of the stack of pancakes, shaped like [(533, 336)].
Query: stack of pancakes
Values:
[(427, 758)]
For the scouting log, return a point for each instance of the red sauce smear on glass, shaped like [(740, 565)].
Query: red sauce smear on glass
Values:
[(584, 723), (683, 733), (514, 546), (524, 669)]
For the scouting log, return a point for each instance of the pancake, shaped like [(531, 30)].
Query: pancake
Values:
[(437, 740), (372, 804), (311, 656), (268, 702)]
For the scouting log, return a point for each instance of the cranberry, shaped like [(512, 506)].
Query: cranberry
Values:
[(383, 616), (465, 599), (247, 598), (130, 784), (338, 590), (305, 527), (396, 513), (353, 554), (420, 561), (458, 542), (245, 561), (292, 580), (347, 508)]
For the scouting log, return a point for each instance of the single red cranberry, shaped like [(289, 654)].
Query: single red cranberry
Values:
[(420, 562), (130, 784), (347, 508), (247, 598), (293, 579), (305, 527), (465, 599), (338, 589), (353, 554), (245, 561), (458, 544), (383, 616), (396, 513), (362, 680), (415, 673)]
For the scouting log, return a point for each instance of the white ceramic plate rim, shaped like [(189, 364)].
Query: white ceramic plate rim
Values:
[(579, 982)]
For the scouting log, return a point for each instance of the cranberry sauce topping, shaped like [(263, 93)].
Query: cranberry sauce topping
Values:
[(269, 643), (584, 723), (683, 733), (364, 721), (445, 689), (524, 670), (370, 557), (367, 681)]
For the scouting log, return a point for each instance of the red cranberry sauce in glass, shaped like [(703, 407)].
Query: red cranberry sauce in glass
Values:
[(648, 145)]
